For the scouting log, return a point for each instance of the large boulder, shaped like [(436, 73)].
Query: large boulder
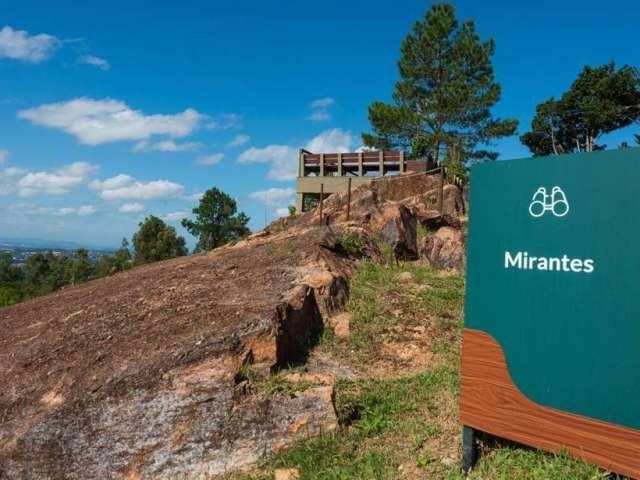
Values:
[(397, 227), (445, 249)]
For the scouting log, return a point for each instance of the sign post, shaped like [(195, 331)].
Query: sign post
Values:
[(551, 344)]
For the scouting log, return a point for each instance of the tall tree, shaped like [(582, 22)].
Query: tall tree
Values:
[(217, 221), (445, 93), (600, 100), (155, 241)]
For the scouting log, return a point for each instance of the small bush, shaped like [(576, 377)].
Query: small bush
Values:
[(352, 244)]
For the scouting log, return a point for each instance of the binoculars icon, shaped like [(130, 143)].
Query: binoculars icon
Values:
[(556, 203)]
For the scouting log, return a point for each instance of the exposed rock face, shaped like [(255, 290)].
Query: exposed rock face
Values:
[(445, 249), (133, 376), (398, 228)]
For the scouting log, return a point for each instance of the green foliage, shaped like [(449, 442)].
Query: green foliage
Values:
[(309, 203), (292, 210), (353, 244), (9, 273), (455, 167), (155, 241), (9, 295), (120, 261), (600, 100), (445, 93), (216, 221)]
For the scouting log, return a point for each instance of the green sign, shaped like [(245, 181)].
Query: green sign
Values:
[(554, 278)]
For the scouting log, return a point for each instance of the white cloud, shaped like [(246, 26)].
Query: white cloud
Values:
[(225, 122), (8, 180), (322, 102), (282, 212), (331, 141), (174, 216), (165, 146), (4, 154), (101, 63), (31, 209), (194, 197), (208, 160), (12, 172), (20, 45), (320, 109), (58, 182), (321, 115), (112, 183), (283, 159), (131, 208), (275, 197), (94, 122), (122, 187), (239, 140)]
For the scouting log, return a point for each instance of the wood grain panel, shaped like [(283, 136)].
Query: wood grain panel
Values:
[(491, 402)]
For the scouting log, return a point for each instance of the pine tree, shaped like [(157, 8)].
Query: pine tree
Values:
[(445, 93), (217, 221)]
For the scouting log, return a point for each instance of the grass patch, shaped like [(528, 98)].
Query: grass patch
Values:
[(374, 415), (273, 384)]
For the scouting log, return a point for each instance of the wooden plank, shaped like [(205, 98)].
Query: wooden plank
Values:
[(492, 403)]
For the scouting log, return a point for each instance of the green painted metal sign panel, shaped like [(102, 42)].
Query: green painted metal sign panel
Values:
[(554, 277)]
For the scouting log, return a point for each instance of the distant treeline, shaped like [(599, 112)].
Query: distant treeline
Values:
[(216, 222), (47, 272)]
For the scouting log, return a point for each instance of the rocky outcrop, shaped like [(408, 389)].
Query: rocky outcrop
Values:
[(445, 249), (397, 227), (135, 375)]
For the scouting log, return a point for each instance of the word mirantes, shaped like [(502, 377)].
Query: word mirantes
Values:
[(523, 261)]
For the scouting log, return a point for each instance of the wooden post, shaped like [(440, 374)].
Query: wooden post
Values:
[(402, 161), (381, 163), (348, 198), (441, 191), (321, 200), (340, 165), (322, 164), (360, 165), (301, 168)]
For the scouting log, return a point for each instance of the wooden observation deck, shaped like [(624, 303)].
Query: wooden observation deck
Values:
[(330, 172)]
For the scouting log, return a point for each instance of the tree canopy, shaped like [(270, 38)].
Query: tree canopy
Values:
[(155, 241), (216, 221), (600, 100), (445, 93)]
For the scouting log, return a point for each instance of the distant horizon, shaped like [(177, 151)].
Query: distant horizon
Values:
[(108, 118)]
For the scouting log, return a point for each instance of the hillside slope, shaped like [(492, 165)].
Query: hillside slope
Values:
[(139, 375)]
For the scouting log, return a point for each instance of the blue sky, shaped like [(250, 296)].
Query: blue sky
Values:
[(110, 111)]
